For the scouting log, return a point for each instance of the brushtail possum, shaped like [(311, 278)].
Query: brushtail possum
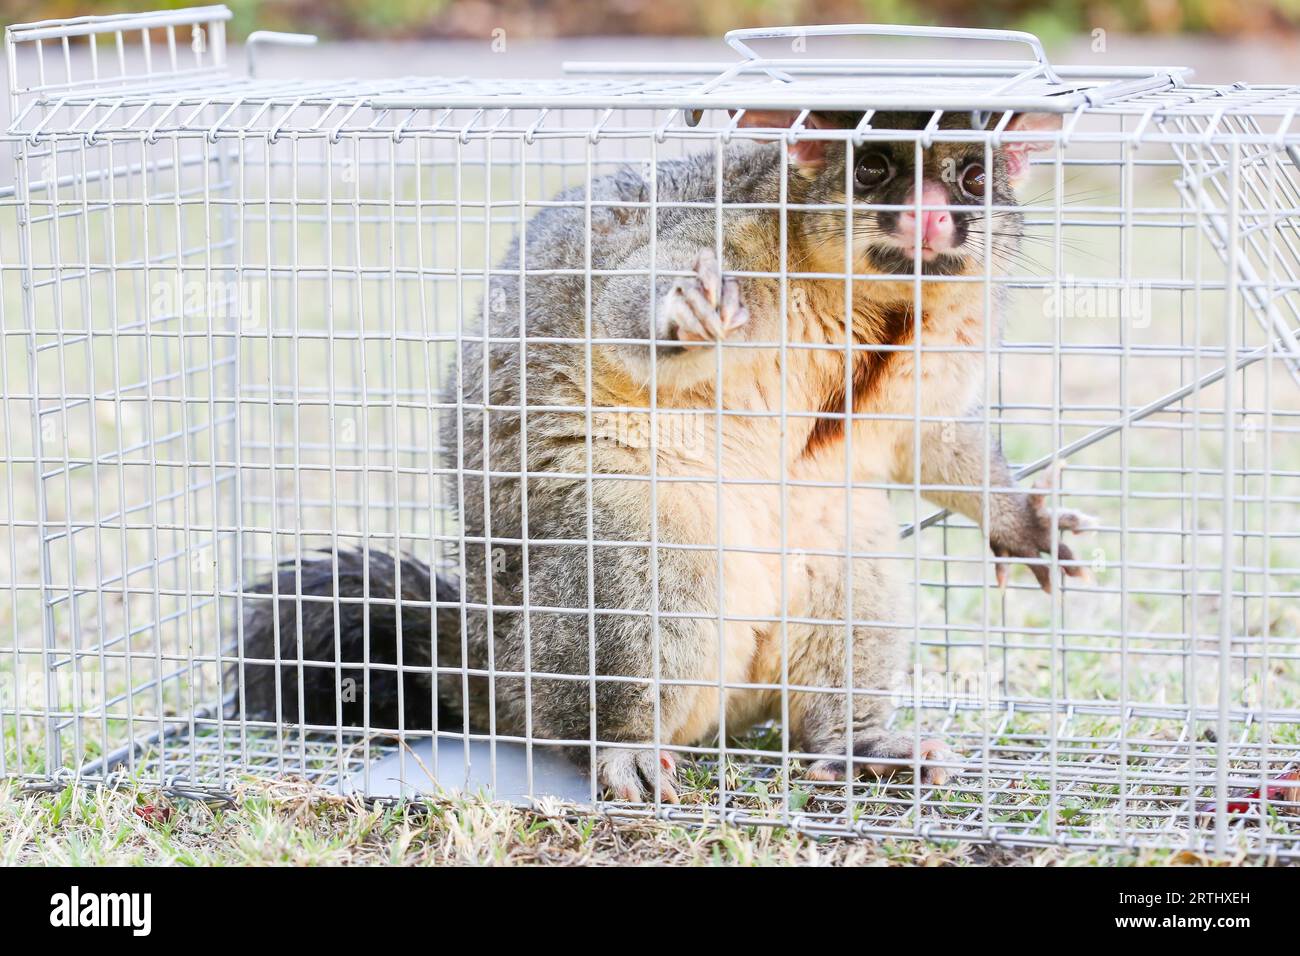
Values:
[(705, 587)]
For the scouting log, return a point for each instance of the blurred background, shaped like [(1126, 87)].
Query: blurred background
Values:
[(422, 19), (1225, 40), (1255, 41)]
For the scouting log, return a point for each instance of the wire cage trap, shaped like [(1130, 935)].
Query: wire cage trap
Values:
[(248, 323)]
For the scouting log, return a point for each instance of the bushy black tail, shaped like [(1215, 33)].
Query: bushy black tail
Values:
[(369, 695)]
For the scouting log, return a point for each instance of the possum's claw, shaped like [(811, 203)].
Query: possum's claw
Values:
[(1028, 533), (885, 754), (633, 775), (704, 307)]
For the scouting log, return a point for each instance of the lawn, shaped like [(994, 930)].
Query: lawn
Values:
[(286, 823)]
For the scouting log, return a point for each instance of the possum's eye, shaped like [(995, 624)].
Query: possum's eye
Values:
[(873, 170), (972, 180)]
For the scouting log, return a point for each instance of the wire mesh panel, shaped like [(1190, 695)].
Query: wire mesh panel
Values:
[(589, 438)]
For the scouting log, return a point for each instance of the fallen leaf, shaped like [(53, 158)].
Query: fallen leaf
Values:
[(1285, 789), (154, 813)]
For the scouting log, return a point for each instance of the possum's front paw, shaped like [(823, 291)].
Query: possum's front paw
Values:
[(1024, 530), (885, 754), (634, 775), (704, 307)]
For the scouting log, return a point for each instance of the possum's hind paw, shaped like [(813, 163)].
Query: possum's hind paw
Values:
[(883, 755), (633, 775), (704, 307)]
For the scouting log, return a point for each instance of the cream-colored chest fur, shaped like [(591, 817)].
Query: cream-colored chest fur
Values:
[(771, 488), (781, 413), (894, 405)]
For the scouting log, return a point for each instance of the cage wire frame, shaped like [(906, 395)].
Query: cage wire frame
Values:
[(184, 249)]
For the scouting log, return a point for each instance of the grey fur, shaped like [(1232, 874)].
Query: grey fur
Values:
[(540, 375)]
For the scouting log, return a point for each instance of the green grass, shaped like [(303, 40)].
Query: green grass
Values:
[(285, 823)]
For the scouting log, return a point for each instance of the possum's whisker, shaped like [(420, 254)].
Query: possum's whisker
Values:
[(1069, 198)]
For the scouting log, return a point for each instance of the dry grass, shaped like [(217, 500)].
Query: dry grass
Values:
[(288, 823)]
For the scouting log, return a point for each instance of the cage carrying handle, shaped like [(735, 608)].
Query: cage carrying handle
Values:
[(737, 40)]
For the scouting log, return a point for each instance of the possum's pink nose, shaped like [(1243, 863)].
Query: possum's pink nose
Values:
[(936, 224)]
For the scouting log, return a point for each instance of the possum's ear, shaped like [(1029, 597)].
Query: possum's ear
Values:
[(1017, 154), (807, 154)]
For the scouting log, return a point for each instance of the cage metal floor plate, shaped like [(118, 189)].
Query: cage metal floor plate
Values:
[(503, 770)]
